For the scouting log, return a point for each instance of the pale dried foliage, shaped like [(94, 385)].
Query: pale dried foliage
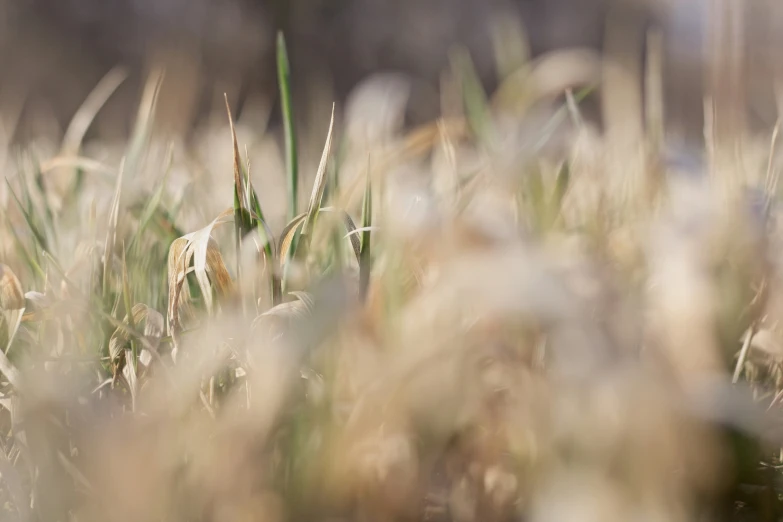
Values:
[(541, 339)]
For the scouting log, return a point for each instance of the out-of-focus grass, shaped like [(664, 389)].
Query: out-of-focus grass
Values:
[(513, 331)]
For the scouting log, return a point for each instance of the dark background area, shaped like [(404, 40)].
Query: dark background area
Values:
[(53, 52)]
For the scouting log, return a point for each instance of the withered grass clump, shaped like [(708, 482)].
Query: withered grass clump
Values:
[(501, 315)]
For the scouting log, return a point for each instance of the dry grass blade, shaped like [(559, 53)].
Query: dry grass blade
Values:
[(238, 178), (179, 260), (103, 171), (131, 376), (150, 337), (210, 270), (122, 355), (215, 267)]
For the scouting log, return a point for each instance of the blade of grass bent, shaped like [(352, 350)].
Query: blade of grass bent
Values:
[(286, 236), (85, 115)]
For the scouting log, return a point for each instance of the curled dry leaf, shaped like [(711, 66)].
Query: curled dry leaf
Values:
[(208, 267), (548, 76)]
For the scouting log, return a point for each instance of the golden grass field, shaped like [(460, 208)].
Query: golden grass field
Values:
[(505, 314)]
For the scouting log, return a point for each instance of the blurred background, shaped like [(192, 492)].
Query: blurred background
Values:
[(53, 52)]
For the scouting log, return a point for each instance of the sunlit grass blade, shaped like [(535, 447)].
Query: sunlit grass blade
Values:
[(286, 241), (318, 191), (286, 106)]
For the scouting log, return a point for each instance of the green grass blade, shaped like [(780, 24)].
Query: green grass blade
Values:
[(292, 165), (28, 257), (561, 187), (39, 237), (331, 194), (365, 252), (128, 301), (474, 97), (268, 240), (154, 201), (111, 232), (144, 120), (48, 214)]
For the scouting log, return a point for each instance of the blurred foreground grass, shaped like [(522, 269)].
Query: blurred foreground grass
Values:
[(502, 315)]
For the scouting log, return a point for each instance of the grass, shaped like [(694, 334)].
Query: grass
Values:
[(512, 332)]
